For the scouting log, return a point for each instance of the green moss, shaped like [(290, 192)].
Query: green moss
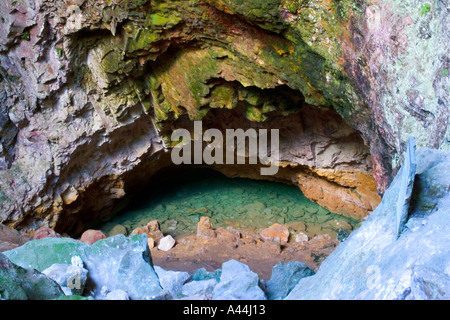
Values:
[(264, 13), (59, 52), (254, 114), (424, 9), (347, 8), (223, 96), (112, 62), (157, 19), (444, 72), (142, 40), (292, 6), (25, 35), (303, 51)]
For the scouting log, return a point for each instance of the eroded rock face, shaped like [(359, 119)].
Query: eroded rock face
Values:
[(413, 266), (89, 97)]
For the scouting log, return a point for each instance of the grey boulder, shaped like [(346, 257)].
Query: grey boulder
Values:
[(238, 282)]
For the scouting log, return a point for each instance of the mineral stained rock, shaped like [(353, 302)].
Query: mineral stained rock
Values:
[(91, 90)]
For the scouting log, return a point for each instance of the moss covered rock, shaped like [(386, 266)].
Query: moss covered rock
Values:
[(17, 283)]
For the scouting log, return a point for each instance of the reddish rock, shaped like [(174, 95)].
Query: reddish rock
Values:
[(151, 230), (205, 228), (153, 225), (154, 231), (151, 243), (276, 232), (45, 232), (140, 230), (10, 238), (91, 236)]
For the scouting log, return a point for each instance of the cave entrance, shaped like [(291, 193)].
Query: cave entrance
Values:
[(238, 209), (180, 197), (323, 189)]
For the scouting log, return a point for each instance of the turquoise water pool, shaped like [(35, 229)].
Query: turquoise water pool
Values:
[(179, 200)]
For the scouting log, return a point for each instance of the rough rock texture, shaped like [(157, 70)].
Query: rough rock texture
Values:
[(277, 233), (172, 281), (114, 263), (91, 90), (45, 232), (17, 283), (91, 236), (117, 295), (237, 282), (71, 278), (201, 288), (10, 238), (285, 277), (373, 264)]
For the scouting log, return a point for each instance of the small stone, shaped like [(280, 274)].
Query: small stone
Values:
[(172, 281), (274, 232), (285, 277), (172, 224), (201, 288), (205, 228), (297, 226), (337, 224), (301, 237), (314, 229), (153, 225), (151, 230), (10, 238), (166, 243), (311, 210), (91, 236), (71, 278), (237, 282), (151, 243), (117, 295), (154, 231), (140, 230), (104, 291), (342, 235), (45, 232), (322, 219), (118, 229)]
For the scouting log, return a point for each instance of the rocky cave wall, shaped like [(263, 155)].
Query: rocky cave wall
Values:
[(90, 91)]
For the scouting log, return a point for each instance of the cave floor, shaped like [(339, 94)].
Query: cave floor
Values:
[(193, 252)]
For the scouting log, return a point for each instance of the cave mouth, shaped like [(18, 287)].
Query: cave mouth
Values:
[(323, 188), (319, 153), (178, 197), (238, 209)]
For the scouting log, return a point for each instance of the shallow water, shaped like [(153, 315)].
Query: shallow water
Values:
[(248, 205)]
